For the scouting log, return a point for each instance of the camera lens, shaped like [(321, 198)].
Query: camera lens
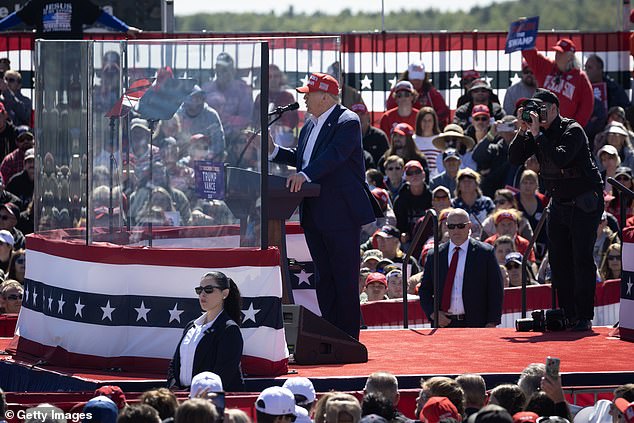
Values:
[(524, 325)]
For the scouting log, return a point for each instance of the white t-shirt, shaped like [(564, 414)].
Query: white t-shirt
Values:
[(431, 153)]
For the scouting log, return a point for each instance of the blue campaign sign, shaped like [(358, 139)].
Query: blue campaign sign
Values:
[(522, 34), (210, 179)]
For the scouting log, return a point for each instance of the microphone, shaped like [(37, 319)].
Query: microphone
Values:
[(281, 109)]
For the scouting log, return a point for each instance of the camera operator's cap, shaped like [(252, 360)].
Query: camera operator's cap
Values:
[(276, 401), (513, 257), (102, 409), (359, 108), (403, 129), (416, 70), (626, 408), (564, 45), (608, 149), (376, 277), (623, 171), (480, 109), (205, 380), (617, 128), (617, 110), (525, 417), (452, 131), (545, 96), (450, 154), (480, 83), (24, 131), (389, 231), (320, 82), (438, 408), (301, 386), (404, 86), (598, 413), (224, 59), (114, 393)]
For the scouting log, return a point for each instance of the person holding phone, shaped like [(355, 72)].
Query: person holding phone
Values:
[(213, 341)]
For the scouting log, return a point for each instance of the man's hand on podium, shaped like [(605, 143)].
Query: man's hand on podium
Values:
[(295, 182)]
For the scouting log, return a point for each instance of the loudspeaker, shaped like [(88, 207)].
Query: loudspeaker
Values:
[(313, 340)]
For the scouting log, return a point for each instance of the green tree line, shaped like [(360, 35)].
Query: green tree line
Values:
[(581, 15)]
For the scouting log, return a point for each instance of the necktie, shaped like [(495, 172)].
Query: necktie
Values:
[(451, 274)]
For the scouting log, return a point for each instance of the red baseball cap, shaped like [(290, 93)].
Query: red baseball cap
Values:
[(480, 109), (626, 408), (470, 74), (564, 45), (525, 417), (359, 108), (438, 408), (114, 393), (320, 82), (376, 277), (403, 129), (413, 163), (505, 215)]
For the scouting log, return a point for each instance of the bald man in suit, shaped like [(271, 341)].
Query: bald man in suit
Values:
[(470, 283)]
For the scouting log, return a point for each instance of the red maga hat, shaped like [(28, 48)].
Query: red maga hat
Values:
[(320, 82)]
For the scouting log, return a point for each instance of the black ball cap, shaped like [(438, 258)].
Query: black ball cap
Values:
[(546, 96)]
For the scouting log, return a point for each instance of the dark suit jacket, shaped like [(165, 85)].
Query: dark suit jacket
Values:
[(482, 290), (219, 351), (337, 165)]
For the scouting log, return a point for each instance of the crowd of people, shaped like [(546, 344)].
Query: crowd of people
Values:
[(536, 395)]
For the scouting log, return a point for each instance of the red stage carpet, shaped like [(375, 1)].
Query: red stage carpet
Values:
[(587, 359)]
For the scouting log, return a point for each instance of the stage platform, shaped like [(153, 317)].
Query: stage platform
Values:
[(587, 359)]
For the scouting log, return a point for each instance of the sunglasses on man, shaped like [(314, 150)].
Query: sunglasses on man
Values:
[(456, 225)]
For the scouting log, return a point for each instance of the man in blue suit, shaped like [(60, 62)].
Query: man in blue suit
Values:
[(330, 153), (470, 282)]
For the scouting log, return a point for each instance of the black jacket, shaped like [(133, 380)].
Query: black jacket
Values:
[(566, 162), (219, 351)]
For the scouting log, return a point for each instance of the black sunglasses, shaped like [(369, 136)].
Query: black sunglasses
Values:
[(209, 289), (14, 297), (480, 119), (513, 265), (20, 260), (614, 257), (413, 172), (4, 217), (456, 225), (440, 197)]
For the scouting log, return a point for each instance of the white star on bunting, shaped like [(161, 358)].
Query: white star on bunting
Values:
[(107, 311), (455, 81), (392, 82), (79, 307), (60, 305), (50, 302), (26, 294), (34, 296), (249, 314), (366, 83), (516, 78), (629, 287), (175, 314), (142, 312), (303, 277)]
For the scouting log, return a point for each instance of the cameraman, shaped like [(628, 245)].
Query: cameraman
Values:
[(573, 181)]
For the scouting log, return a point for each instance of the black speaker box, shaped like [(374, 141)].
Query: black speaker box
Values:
[(313, 340)]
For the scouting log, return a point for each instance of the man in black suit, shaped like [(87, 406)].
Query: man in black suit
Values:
[(470, 282), (330, 153)]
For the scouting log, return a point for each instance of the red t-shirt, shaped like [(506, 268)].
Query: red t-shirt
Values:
[(391, 118)]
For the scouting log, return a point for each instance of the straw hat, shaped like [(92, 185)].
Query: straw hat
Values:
[(452, 131)]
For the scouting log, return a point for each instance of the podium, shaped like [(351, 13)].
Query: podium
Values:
[(242, 191)]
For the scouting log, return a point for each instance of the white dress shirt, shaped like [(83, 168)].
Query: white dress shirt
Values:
[(456, 306), (188, 348), (318, 123)]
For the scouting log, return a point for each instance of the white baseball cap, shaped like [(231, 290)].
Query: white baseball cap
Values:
[(6, 237), (276, 401), (205, 380), (301, 386)]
